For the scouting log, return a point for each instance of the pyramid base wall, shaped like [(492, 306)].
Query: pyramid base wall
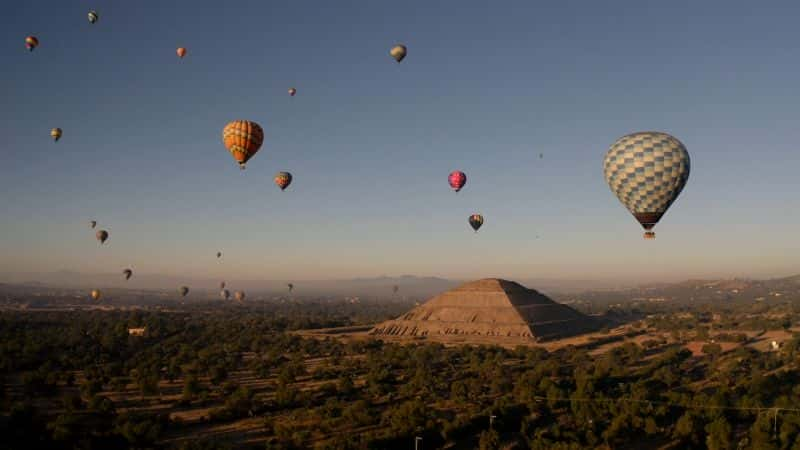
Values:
[(544, 331)]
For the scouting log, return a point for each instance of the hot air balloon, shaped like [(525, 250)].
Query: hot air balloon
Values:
[(31, 43), (239, 295), (222, 285), (398, 52), (183, 290), (395, 288), (181, 52), (243, 139), (283, 180), (92, 16), (290, 286), (541, 155), (92, 223), (647, 171), (292, 91), (475, 221), (56, 133), (128, 273), (457, 180), (219, 254), (102, 236), (96, 294), (225, 294)]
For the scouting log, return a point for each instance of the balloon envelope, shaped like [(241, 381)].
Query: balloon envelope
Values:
[(31, 42), (292, 91), (96, 294), (56, 133), (475, 221), (243, 139), (457, 180), (101, 235), (92, 16), (128, 273), (181, 52), (647, 171), (283, 180), (239, 295), (184, 290), (398, 52), (225, 294)]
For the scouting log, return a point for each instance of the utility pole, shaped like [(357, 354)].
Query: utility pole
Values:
[(775, 424), (417, 443), (491, 421)]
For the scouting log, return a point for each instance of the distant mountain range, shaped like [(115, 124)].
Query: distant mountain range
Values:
[(695, 292), (409, 285)]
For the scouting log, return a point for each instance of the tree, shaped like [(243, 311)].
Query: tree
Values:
[(489, 440), (218, 373), (286, 395), (687, 429), (408, 417), (459, 391), (713, 350), (761, 433), (345, 386), (718, 434), (191, 387)]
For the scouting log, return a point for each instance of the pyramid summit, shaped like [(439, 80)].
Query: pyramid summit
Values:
[(490, 308)]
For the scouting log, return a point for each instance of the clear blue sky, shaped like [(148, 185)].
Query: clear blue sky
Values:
[(486, 87)]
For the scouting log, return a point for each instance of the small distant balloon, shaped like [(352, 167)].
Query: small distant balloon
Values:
[(290, 286), (222, 285), (56, 133), (395, 288), (225, 294), (128, 273), (93, 17), (292, 91), (183, 290), (31, 42), (92, 223), (398, 52), (457, 180), (181, 52), (102, 236), (243, 139), (219, 254), (283, 180), (96, 294), (541, 155), (476, 221), (239, 296)]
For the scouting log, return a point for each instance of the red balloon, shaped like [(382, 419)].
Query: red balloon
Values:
[(457, 180)]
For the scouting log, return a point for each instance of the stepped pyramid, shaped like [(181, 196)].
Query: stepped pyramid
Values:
[(490, 307)]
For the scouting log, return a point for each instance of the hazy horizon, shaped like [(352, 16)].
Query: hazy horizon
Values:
[(370, 142), (408, 282)]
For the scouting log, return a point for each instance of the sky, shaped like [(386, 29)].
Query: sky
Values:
[(486, 87)]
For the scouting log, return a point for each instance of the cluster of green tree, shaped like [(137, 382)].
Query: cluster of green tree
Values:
[(78, 380)]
